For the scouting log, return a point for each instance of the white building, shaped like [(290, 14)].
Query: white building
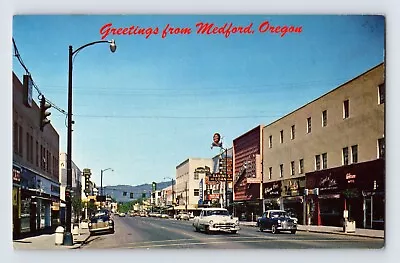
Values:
[(76, 177), (187, 192), (166, 196)]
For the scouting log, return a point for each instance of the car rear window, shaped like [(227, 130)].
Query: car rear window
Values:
[(103, 218)]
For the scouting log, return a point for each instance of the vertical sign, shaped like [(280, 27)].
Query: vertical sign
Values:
[(27, 90), (201, 192)]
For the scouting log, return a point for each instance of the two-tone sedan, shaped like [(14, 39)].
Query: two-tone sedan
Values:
[(101, 223), (276, 221)]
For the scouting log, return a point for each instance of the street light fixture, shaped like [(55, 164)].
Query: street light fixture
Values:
[(101, 179), (68, 236)]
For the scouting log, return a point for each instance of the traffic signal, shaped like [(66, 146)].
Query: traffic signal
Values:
[(67, 195), (43, 113), (154, 186)]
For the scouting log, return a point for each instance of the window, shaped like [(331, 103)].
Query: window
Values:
[(292, 133), (270, 173), (292, 168), (270, 141), (41, 156), (37, 154), (354, 154), (281, 136), (345, 152), (124, 193), (16, 145), (196, 176), (324, 118), (20, 135), (31, 149), (28, 137), (196, 192), (317, 162), (381, 148), (308, 124), (381, 93), (346, 109), (131, 195), (281, 170), (324, 161), (301, 166)]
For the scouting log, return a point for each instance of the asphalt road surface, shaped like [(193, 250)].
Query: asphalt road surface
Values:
[(152, 233)]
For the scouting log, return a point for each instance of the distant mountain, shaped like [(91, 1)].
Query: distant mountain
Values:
[(122, 193)]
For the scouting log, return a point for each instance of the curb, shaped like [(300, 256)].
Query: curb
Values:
[(83, 242), (329, 232)]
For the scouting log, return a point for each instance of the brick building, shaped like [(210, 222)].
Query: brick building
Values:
[(36, 189)]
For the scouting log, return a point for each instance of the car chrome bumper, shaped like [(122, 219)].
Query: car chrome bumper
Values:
[(286, 228), (224, 228), (108, 228)]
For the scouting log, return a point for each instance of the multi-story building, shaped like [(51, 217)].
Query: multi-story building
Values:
[(166, 196), (188, 182), (328, 156), (36, 190), (247, 167), (76, 184)]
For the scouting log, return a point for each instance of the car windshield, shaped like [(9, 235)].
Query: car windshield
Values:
[(279, 214), (103, 218), (217, 212)]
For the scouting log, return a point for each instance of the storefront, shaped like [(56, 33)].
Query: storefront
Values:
[(16, 192), (247, 205), (358, 188), (38, 194), (293, 197), (272, 194)]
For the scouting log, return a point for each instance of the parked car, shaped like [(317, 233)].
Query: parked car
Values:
[(164, 216), (215, 219), (183, 216), (276, 221), (101, 223), (122, 214)]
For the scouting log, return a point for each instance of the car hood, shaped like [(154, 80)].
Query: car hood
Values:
[(220, 218)]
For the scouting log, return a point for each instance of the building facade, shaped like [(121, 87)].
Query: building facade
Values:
[(76, 184), (247, 166), (36, 190), (187, 193), (327, 156)]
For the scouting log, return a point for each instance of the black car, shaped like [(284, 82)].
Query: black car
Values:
[(276, 221)]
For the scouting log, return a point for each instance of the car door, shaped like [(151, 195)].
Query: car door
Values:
[(263, 220), (268, 221)]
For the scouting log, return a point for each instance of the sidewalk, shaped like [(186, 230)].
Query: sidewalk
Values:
[(361, 232), (47, 241)]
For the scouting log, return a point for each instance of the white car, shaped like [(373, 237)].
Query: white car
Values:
[(215, 219)]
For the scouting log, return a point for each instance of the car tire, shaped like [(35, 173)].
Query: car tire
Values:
[(293, 231), (207, 230), (261, 229), (274, 230)]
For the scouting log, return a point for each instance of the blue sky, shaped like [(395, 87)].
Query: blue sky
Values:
[(155, 102)]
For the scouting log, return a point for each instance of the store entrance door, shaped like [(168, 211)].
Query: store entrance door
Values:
[(368, 212)]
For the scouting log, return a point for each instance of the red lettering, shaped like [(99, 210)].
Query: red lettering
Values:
[(125, 31), (119, 31), (298, 29), (204, 28), (105, 30), (263, 27)]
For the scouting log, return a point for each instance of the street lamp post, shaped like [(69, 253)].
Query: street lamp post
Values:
[(68, 236), (101, 179)]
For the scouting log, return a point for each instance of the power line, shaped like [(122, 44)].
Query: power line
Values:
[(175, 117), (19, 58)]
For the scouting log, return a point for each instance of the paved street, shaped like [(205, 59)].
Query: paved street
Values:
[(149, 233)]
